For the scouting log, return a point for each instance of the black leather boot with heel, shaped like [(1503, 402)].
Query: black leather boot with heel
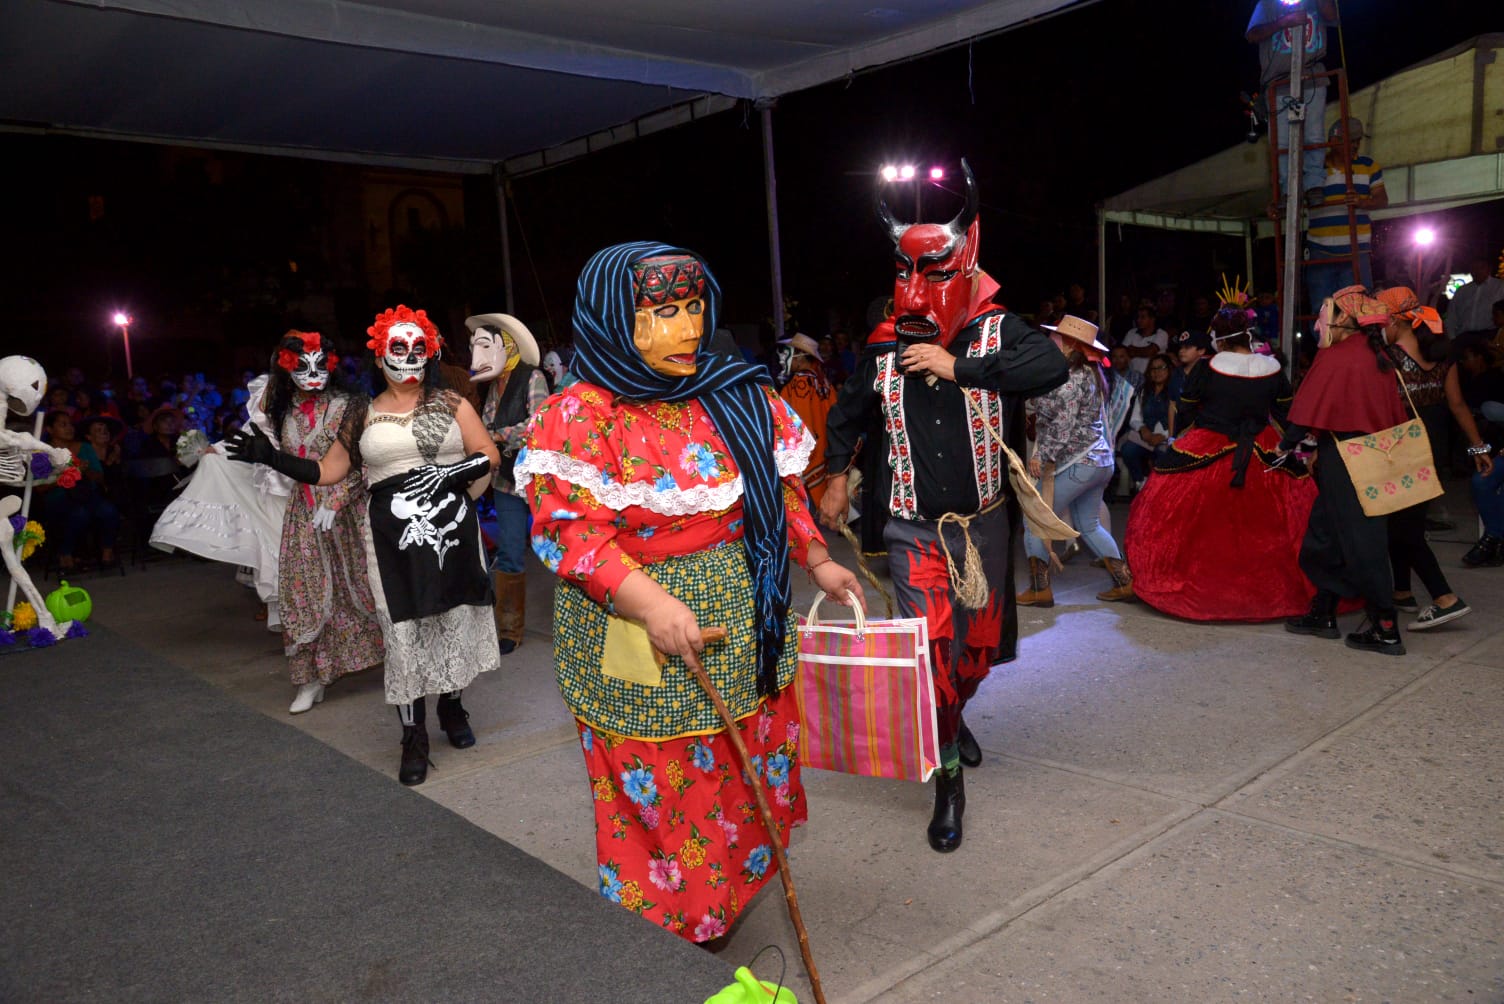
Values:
[(950, 804), (455, 721), (415, 763)]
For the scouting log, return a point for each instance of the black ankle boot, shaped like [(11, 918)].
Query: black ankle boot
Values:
[(414, 769), (1381, 634), (967, 746), (950, 804), (1487, 553), (455, 721), (1320, 620)]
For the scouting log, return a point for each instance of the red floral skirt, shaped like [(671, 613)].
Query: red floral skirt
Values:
[(1203, 550), (677, 833)]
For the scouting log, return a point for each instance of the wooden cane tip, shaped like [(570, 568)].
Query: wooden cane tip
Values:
[(712, 635)]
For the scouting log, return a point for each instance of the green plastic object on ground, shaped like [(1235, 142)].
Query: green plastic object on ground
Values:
[(69, 603), (748, 989)]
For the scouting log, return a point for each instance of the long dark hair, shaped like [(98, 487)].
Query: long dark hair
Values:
[(280, 389), (1231, 324)]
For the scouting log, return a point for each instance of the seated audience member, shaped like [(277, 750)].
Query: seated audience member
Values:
[(1471, 309), (1147, 339), (73, 513), (1481, 379), (1120, 365), (101, 454), (1149, 425), (153, 474)]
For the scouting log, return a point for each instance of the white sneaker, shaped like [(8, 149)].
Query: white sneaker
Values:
[(309, 694)]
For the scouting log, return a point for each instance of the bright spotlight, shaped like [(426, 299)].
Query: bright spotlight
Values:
[(890, 173), (937, 174), (121, 319), (1425, 237), (906, 172)]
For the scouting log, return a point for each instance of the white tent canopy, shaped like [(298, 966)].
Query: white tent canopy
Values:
[(1437, 130), (458, 85)]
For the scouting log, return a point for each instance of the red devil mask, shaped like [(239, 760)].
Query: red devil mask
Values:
[(938, 287)]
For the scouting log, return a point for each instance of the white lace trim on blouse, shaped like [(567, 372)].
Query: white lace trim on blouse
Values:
[(669, 502)]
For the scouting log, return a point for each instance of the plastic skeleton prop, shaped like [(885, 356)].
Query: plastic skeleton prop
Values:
[(23, 385)]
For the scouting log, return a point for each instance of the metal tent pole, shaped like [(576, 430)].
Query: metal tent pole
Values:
[(1295, 113), (498, 175), (1248, 227), (770, 186), (1101, 266)]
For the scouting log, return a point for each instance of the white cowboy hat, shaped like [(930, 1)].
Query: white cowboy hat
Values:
[(527, 345)]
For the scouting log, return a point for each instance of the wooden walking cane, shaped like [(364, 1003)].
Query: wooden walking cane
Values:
[(711, 636)]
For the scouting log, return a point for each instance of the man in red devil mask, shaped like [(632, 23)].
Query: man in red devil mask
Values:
[(948, 375)]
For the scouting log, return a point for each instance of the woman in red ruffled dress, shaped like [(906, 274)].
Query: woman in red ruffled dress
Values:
[(1217, 536)]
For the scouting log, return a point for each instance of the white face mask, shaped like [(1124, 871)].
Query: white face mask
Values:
[(406, 353), (554, 367), (311, 372), (488, 355)]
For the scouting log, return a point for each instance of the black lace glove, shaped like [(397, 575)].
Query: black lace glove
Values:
[(250, 446), (430, 479)]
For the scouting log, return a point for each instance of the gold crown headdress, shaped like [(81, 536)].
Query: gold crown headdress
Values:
[(1236, 295)]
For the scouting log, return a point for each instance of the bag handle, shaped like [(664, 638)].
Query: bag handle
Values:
[(1414, 412), (861, 618)]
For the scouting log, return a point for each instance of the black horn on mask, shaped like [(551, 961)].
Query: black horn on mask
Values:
[(968, 214), (957, 227)]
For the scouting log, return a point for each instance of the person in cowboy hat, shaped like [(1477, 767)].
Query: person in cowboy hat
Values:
[(804, 384), (1071, 436), (504, 357)]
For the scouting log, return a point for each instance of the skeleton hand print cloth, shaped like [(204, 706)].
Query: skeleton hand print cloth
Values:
[(425, 543)]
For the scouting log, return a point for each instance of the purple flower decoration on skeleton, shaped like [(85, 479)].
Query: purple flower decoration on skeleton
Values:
[(17, 523), (41, 465)]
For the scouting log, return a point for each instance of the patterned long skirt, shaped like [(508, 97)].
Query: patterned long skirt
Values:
[(329, 625), (677, 834)]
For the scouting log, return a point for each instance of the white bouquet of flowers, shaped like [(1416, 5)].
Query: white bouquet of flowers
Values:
[(191, 447)]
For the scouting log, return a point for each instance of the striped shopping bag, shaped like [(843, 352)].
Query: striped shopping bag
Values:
[(866, 697)]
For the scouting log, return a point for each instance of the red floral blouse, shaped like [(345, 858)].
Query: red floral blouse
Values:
[(615, 485)]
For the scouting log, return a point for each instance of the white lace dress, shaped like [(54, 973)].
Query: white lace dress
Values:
[(442, 653)]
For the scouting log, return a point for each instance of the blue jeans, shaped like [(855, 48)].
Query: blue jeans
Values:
[(1324, 278), (1313, 130), (1078, 489), (512, 519), (1488, 496)]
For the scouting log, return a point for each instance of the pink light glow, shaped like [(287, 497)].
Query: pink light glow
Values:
[(937, 174), (890, 173), (1425, 237), (906, 172), (121, 319)]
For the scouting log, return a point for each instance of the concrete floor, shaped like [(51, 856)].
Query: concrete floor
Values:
[(1167, 812)]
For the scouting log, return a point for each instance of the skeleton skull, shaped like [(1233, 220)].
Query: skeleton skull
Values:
[(23, 382), (406, 353)]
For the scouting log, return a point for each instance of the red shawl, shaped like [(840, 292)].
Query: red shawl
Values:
[(1345, 392)]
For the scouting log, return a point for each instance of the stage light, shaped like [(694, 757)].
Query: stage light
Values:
[(120, 318), (906, 172), (889, 172), (937, 174), (1425, 237)]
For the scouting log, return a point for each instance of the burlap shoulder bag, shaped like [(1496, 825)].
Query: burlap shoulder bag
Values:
[(1392, 469)]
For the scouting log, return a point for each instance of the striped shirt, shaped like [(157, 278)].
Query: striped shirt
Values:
[(1326, 233)]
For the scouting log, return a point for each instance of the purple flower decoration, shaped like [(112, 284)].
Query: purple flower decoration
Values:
[(77, 630), (7, 638), (40, 637), (18, 523), (41, 465)]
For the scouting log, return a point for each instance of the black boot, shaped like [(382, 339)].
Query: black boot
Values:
[(455, 721), (1381, 634), (1320, 621), (950, 804), (966, 745), (1487, 553), (415, 762)]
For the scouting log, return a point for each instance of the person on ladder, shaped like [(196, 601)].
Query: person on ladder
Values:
[(1271, 28)]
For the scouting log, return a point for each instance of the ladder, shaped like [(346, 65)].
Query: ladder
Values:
[(1289, 259)]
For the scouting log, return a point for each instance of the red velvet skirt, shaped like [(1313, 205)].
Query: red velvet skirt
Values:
[(1203, 550)]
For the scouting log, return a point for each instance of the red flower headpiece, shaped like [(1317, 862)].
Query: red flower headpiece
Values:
[(398, 315), (311, 341)]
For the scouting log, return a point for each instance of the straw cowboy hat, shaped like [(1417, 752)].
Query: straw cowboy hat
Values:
[(803, 344), (1079, 330), (527, 345)]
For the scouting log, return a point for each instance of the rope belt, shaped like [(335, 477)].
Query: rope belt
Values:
[(970, 582)]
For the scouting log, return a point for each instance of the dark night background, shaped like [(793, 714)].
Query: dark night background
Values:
[(1053, 116)]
